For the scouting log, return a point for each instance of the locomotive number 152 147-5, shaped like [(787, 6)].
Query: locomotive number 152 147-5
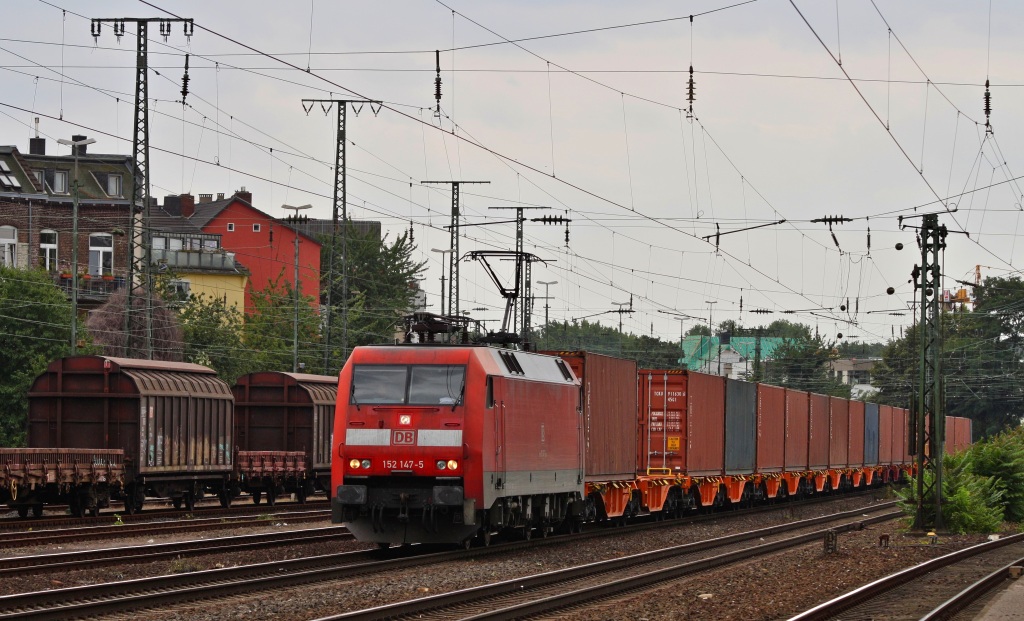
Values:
[(403, 464)]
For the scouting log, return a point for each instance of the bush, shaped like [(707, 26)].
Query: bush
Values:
[(972, 503)]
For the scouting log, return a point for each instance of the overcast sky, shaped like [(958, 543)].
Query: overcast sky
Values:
[(592, 125)]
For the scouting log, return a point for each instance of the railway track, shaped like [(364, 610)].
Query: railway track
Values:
[(113, 531), (50, 522), (66, 561), (157, 591), (923, 591), (553, 591)]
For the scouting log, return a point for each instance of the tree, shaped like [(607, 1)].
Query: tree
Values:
[(699, 330), (214, 336), (35, 328), (381, 287), (804, 364), (649, 352), (269, 330), (106, 325)]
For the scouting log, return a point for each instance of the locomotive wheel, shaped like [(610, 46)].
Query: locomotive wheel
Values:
[(487, 538), (527, 533), (383, 545), (256, 497), (37, 510), (23, 511), (467, 543)]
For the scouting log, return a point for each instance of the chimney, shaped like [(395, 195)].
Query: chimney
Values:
[(188, 205), (220, 196), (172, 205), (206, 198), (37, 146), (244, 195), (80, 148)]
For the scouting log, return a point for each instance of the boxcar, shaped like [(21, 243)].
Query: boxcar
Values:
[(283, 428), (172, 421)]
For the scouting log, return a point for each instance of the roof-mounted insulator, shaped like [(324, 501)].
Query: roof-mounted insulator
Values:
[(437, 84), (988, 108)]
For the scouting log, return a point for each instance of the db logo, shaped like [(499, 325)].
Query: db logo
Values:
[(403, 436)]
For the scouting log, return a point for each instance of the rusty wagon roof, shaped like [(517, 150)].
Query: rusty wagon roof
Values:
[(150, 377), (322, 389)]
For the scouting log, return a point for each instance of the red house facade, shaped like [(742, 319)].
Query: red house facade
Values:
[(261, 242)]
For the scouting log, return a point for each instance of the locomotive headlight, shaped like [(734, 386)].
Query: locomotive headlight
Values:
[(353, 464), (452, 464), (366, 464), (440, 464), (405, 419)]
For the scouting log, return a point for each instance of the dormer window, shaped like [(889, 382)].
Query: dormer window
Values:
[(114, 185), (60, 182)]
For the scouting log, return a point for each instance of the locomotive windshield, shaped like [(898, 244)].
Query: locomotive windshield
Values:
[(407, 384)]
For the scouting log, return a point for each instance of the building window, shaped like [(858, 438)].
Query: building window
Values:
[(179, 290), (231, 226), (60, 182), (8, 246), (114, 185), (38, 176), (101, 254), (7, 179), (48, 250), (256, 228), (159, 243)]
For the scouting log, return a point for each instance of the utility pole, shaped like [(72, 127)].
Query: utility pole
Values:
[(294, 221), (75, 147), (453, 260), (340, 200), (710, 334), (927, 433), (442, 253), (139, 238)]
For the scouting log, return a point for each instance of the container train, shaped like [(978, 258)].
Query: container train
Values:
[(459, 443), (103, 428)]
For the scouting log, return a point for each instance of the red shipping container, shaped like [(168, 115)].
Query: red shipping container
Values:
[(900, 451), (965, 434), (771, 428), (797, 429), (705, 425), (839, 433), (817, 446), (608, 393), (856, 450), (885, 452), (662, 433)]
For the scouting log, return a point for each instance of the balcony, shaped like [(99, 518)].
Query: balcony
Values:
[(194, 259), (91, 289)]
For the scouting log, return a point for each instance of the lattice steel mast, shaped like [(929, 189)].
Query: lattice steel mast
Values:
[(340, 202), (452, 302), (139, 234)]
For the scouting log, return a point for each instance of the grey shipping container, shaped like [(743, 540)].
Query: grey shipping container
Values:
[(870, 434), (740, 426), (608, 388)]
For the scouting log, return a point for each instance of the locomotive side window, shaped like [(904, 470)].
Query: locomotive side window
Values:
[(417, 384), (490, 392)]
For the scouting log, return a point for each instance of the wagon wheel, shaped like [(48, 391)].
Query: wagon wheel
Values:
[(190, 502), (225, 498), (271, 495), (300, 494), (37, 510), (176, 502), (256, 497), (23, 511), (383, 545), (94, 511)]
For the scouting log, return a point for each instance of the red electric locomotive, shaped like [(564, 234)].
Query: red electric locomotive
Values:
[(443, 443)]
